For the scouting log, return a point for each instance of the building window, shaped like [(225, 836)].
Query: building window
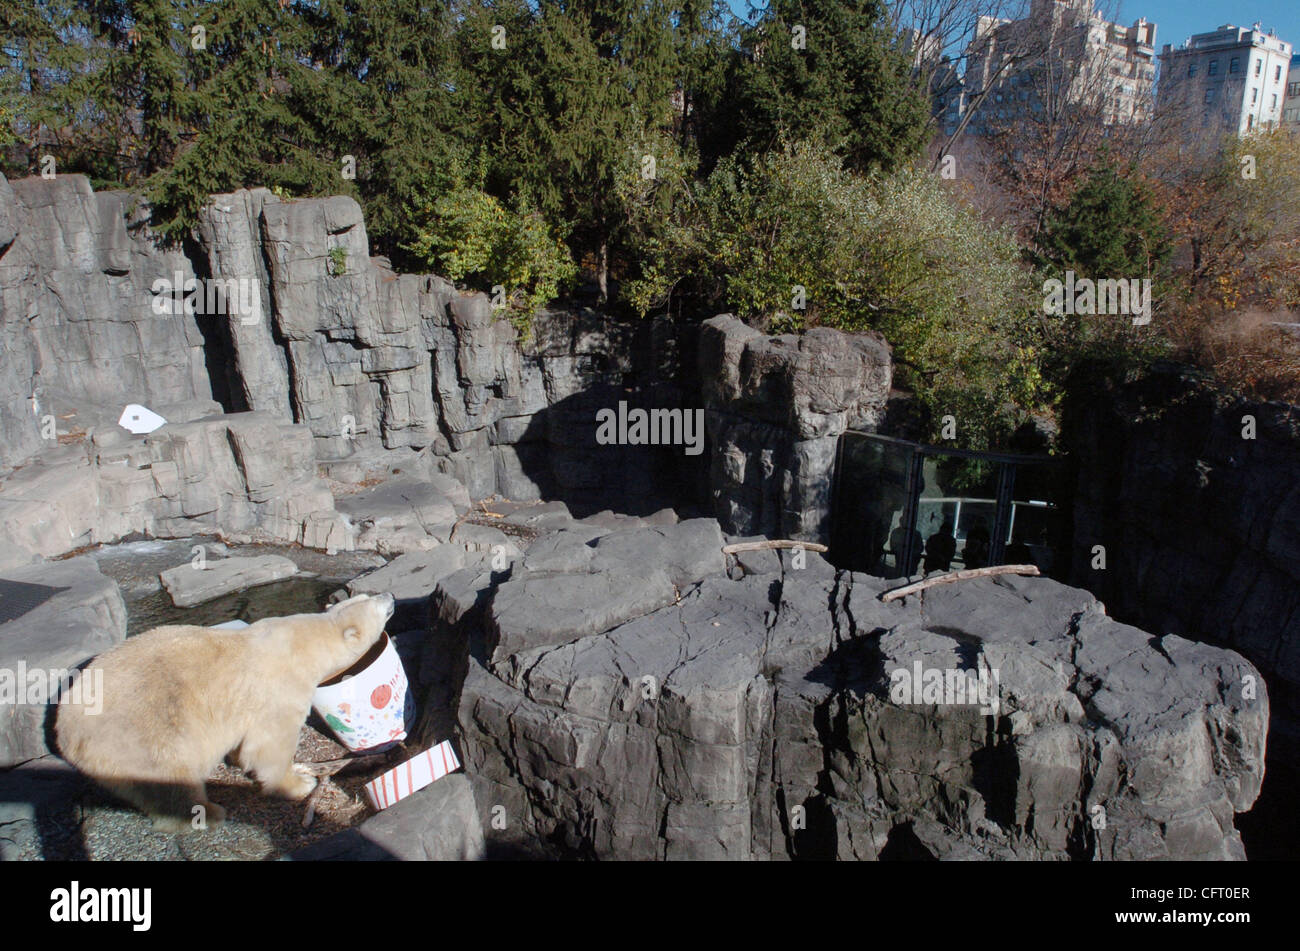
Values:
[(1293, 89), (1234, 64), (1209, 96), (1191, 70), (1254, 96), (1214, 67), (1278, 77), (1259, 64), (1273, 108)]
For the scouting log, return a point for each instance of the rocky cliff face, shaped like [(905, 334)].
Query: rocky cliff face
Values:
[(298, 326), (755, 715), (76, 274), (1200, 522), (776, 409), (323, 336)]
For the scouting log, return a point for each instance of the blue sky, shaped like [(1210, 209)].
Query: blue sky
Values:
[(1176, 20)]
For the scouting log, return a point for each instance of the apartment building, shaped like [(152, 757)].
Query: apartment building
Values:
[(1233, 79), (1061, 52), (1291, 105)]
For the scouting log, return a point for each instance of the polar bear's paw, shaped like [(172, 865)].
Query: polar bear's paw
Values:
[(298, 783)]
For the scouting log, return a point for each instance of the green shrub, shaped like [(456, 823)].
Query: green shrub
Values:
[(471, 236), (894, 253), (337, 263)]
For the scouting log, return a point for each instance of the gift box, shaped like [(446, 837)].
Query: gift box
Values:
[(413, 775)]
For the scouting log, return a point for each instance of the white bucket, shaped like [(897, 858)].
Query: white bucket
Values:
[(370, 704)]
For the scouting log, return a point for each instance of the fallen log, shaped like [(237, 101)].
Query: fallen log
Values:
[(963, 575), (770, 543)]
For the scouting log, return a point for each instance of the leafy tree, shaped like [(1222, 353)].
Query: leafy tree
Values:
[(1234, 213), (469, 235), (792, 239)]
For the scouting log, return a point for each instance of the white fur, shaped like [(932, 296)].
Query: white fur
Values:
[(178, 699)]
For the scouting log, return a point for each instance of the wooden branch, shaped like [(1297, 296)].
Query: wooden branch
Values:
[(313, 800), (771, 543), (962, 575), (331, 766)]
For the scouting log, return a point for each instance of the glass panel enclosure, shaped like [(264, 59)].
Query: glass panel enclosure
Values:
[(905, 509), (873, 486)]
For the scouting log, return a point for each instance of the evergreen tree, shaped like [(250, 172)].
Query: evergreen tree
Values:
[(44, 63), (592, 85), (1109, 228), (829, 69)]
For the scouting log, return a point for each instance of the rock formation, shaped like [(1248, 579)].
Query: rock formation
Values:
[(78, 613), (776, 409), (618, 686), (753, 718), (332, 340), (1193, 495)]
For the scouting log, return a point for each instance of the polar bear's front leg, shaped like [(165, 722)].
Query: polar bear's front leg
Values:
[(268, 754)]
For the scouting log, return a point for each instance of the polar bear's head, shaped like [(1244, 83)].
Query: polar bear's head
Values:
[(353, 626)]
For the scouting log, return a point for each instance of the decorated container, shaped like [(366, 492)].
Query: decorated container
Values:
[(370, 705)]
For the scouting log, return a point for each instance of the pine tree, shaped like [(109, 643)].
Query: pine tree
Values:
[(43, 91), (1109, 228), (829, 69)]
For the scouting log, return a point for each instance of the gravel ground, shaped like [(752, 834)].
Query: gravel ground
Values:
[(257, 828)]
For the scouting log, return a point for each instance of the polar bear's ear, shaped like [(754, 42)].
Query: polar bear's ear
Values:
[(351, 634)]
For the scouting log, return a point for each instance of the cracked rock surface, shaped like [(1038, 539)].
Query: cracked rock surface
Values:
[(752, 717)]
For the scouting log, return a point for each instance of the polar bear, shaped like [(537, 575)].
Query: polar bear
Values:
[(178, 699)]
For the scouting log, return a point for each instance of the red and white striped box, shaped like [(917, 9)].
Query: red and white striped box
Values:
[(413, 775)]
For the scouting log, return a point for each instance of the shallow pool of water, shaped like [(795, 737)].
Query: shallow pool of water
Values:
[(135, 567)]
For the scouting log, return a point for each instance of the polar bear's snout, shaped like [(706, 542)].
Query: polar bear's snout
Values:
[(390, 605)]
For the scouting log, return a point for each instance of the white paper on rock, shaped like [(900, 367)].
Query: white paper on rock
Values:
[(138, 419)]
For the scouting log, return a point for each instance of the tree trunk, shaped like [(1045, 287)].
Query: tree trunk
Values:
[(603, 275)]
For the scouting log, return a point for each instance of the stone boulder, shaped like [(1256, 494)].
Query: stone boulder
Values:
[(401, 514), (66, 613), (188, 584), (582, 581), (776, 407), (438, 823), (764, 718)]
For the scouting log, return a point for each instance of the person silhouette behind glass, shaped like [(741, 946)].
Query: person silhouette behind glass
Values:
[(898, 541), (976, 552), (940, 548)]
